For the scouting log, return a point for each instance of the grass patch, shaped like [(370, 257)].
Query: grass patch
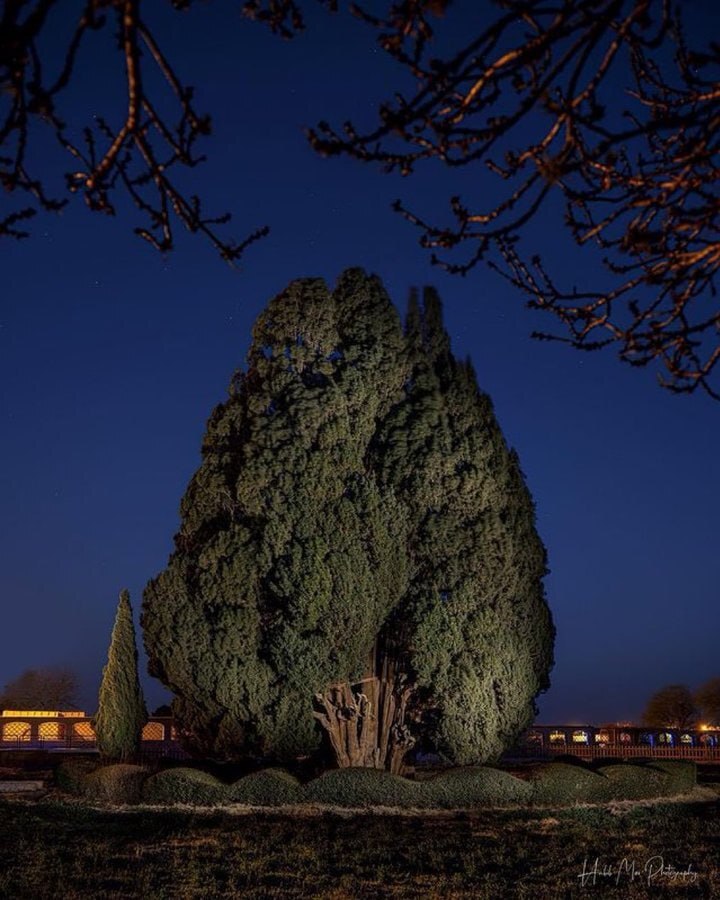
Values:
[(53, 849)]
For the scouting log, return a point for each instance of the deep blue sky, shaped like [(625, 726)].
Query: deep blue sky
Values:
[(112, 357)]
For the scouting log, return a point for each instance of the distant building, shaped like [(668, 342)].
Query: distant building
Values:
[(16, 728), (622, 739), (70, 728)]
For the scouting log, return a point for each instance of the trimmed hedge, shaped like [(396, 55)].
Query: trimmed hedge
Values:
[(660, 778), (681, 774), (120, 783), (184, 785), (474, 786), (554, 783), (271, 787), (363, 788), (635, 782), (70, 774), (563, 783)]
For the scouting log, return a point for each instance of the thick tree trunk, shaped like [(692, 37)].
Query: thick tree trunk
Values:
[(365, 720)]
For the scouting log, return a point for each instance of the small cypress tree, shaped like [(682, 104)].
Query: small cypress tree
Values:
[(121, 705)]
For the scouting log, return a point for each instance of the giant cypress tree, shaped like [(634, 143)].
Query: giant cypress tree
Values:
[(478, 629), (289, 558), (356, 549)]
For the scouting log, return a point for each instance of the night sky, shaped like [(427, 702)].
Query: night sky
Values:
[(112, 358)]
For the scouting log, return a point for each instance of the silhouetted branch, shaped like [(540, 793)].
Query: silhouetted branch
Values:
[(534, 98), (141, 154)]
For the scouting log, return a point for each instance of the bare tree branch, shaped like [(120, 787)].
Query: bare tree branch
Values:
[(534, 99), (531, 99), (141, 154)]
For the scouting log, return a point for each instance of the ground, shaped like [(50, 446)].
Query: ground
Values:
[(53, 848)]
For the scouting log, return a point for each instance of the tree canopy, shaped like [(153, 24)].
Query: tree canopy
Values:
[(356, 549), (671, 707), (707, 698), (603, 104), (44, 688)]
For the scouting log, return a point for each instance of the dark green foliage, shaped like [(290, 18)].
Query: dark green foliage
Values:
[(270, 787), (355, 492), (474, 787), (681, 774), (121, 706), (628, 782), (184, 785), (470, 787), (562, 783), (480, 629), (363, 788), (120, 783), (70, 774)]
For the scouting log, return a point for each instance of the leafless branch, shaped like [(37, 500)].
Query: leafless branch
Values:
[(535, 99), (141, 154)]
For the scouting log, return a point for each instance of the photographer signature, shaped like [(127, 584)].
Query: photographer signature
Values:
[(654, 870)]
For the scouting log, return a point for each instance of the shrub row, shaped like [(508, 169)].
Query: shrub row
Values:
[(561, 783), (549, 784), (184, 785)]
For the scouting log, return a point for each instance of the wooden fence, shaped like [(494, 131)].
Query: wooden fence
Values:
[(619, 751)]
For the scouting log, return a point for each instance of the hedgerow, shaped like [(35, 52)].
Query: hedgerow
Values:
[(563, 783), (637, 782), (681, 774), (70, 774), (184, 785), (120, 783), (577, 783), (270, 787), (363, 788), (474, 786), (556, 783)]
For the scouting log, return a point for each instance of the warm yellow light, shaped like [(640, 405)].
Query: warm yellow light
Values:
[(153, 731), (84, 731), (41, 714)]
